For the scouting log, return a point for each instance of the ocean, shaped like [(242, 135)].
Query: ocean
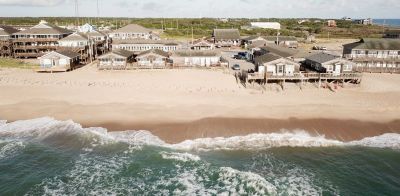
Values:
[(387, 22), (49, 157)]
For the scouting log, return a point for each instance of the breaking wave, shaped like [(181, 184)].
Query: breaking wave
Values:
[(49, 129)]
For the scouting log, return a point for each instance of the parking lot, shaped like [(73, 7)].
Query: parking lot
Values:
[(244, 65)]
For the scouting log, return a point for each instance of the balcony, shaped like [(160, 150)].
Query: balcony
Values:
[(35, 47), (28, 54), (35, 39)]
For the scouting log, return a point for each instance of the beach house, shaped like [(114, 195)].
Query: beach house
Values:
[(274, 65), (266, 25), (331, 23), (79, 43), (374, 54), (202, 45), (58, 61), (37, 40), (154, 58), (254, 41), (328, 63), (141, 45), (226, 37), (5, 40), (192, 58), (285, 41), (259, 41), (102, 42), (293, 54), (392, 33), (133, 31), (117, 59)]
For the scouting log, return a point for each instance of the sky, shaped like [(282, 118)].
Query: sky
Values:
[(205, 8)]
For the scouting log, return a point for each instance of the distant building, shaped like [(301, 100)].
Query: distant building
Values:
[(133, 31), (392, 33), (226, 37), (190, 58), (331, 23), (303, 21), (6, 49), (140, 45), (86, 28), (117, 59), (38, 40), (367, 21), (327, 63), (286, 41), (259, 41), (59, 61), (154, 58), (347, 19), (266, 25), (275, 65), (380, 55)]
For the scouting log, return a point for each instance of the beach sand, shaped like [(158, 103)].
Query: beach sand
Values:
[(186, 104)]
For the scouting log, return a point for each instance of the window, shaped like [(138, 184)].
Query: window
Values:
[(348, 67), (329, 68)]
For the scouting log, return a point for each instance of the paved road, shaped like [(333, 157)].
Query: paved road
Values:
[(244, 65)]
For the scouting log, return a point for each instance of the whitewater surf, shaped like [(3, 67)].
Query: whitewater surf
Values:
[(50, 157)]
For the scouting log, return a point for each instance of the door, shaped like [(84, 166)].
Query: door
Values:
[(338, 69), (280, 69)]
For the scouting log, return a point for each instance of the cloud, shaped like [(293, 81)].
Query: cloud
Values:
[(207, 8), (39, 3)]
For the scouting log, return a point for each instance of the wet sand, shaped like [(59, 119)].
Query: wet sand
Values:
[(342, 130)]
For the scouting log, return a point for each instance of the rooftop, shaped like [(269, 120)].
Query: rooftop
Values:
[(322, 57), (226, 34), (267, 58), (188, 53), (7, 30), (155, 51), (133, 28), (375, 44), (144, 41), (75, 37), (44, 28)]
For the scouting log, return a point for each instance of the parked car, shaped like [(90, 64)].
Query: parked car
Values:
[(239, 57), (236, 67), (319, 48)]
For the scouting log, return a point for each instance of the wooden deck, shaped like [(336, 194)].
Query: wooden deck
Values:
[(320, 78), (304, 76)]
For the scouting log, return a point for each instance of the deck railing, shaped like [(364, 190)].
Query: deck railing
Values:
[(35, 40), (306, 76)]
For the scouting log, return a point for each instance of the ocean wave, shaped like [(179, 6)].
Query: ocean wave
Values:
[(184, 157), (238, 182), (49, 128), (10, 149), (257, 141)]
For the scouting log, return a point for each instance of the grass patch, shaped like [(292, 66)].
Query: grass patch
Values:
[(16, 63)]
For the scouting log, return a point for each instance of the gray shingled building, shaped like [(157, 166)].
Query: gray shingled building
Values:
[(374, 55), (226, 37)]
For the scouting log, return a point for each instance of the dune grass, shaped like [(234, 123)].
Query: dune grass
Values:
[(16, 63)]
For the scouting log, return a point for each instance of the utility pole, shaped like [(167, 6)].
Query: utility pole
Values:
[(98, 13), (77, 11), (192, 35)]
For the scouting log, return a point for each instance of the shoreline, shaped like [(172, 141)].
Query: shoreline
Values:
[(179, 131), (176, 132)]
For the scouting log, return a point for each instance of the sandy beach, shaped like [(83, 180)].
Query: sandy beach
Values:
[(185, 104)]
